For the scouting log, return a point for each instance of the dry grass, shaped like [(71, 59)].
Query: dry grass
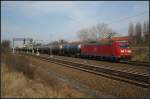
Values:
[(140, 54), (20, 79), (19, 64), (17, 85)]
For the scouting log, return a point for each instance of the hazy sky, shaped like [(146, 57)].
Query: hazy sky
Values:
[(53, 20)]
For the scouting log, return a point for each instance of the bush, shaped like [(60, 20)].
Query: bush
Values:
[(19, 63), (22, 64), (5, 46)]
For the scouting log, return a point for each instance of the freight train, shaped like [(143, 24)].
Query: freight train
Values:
[(115, 50)]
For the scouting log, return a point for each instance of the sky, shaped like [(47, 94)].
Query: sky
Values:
[(54, 20)]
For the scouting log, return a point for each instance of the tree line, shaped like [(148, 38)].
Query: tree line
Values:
[(5, 46), (96, 32), (138, 33)]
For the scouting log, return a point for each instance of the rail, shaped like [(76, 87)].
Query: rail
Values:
[(138, 63), (132, 78)]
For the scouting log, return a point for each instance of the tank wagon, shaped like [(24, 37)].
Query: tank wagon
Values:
[(69, 49)]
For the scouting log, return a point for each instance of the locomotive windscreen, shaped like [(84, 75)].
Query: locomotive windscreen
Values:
[(124, 45)]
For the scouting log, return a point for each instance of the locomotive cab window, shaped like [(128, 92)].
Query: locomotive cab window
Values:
[(124, 45)]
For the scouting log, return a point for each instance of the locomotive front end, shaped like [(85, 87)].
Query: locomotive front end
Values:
[(124, 51)]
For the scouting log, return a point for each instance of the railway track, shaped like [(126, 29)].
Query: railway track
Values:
[(132, 78), (138, 63)]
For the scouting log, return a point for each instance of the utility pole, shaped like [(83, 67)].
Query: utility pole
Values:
[(31, 43), (32, 49), (37, 50), (51, 46), (51, 51), (13, 47)]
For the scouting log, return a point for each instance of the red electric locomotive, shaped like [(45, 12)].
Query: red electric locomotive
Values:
[(116, 50)]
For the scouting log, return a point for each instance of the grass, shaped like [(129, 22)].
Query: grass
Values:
[(22, 80), (140, 54), (19, 64)]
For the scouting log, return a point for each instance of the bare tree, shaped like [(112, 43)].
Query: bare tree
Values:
[(96, 32), (147, 32), (93, 33), (131, 34), (5, 45), (144, 30), (103, 31), (83, 34), (138, 30)]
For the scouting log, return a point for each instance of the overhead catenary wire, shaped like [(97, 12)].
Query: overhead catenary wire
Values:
[(120, 19), (129, 17)]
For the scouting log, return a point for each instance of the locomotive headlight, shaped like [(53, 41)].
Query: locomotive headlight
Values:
[(122, 51), (129, 51), (79, 46)]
